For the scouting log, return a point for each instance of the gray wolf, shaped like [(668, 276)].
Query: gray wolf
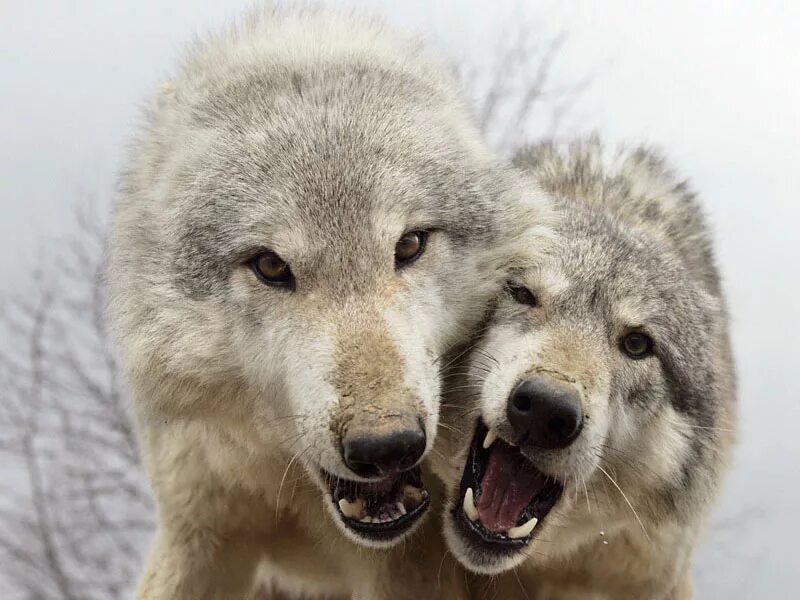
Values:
[(603, 410), (305, 228)]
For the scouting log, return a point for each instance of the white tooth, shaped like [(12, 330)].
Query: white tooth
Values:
[(523, 530), (353, 509), (469, 506), (491, 436), (401, 508)]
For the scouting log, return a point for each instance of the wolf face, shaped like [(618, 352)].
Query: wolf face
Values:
[(603, 393), (300, 240)]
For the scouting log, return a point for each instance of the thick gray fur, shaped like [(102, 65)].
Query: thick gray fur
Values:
[(633, 252), (322, 136)]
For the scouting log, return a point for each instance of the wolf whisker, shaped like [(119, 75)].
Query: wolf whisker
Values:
[(519, 581), (451, 428), (628, 502), (280, 487), (470, 386)]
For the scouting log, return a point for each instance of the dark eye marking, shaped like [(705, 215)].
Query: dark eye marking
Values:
[(636, 345), (272, 270), (409, 247), (522, 295)]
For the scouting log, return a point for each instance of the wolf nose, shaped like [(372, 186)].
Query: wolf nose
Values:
[(378, 456), (547, 413)]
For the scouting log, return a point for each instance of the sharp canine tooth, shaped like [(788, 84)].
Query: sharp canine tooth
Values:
[(523, 530), (469, 506), (491, 436), (353, 509), (401, 508)]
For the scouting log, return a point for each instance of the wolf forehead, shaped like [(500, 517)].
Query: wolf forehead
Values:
[(279, 151), (600, 263), (636, 186)]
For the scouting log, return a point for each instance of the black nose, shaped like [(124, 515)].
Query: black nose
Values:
[(377, 456), (547, 413)]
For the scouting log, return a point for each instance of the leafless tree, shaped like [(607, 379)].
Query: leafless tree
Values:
[(75, 513), (75, 510), (514, 93)]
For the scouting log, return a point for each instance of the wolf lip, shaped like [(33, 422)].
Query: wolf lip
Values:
[(503, 496), (383, 509)]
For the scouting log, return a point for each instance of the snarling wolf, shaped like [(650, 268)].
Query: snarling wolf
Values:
[(305, 228), (604, 402)]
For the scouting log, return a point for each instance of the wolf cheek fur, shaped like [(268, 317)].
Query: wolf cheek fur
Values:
[(622, 326), (318, 141)]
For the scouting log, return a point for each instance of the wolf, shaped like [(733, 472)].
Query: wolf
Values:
[(604, 401), (305, 229)]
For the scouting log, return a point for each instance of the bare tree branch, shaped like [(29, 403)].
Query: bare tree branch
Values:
[(75, 513), (514, 96)]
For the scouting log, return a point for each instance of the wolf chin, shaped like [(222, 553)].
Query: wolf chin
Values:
[(306, 227), (604, 404)]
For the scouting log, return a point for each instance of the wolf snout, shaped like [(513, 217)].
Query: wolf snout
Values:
[(381, 453), (545, 413)]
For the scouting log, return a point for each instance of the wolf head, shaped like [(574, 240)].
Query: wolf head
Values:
[(604, 386), (305, 229)]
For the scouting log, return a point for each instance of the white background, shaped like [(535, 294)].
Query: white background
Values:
[(715, 84)]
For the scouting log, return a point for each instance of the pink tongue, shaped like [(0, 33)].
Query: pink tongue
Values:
[(508, 486)]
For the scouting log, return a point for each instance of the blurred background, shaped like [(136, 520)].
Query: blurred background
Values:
[(714, 84)]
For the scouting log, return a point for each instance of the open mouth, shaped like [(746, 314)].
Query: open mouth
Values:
[(380, 510), (504, 497)]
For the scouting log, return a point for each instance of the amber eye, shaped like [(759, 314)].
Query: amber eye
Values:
[(272, 270), (637, 345), (409, 247), (522, 295)]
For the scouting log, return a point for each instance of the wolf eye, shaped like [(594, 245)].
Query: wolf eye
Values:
[(637, 345), (522, 295), (272, 269), (409, 247)]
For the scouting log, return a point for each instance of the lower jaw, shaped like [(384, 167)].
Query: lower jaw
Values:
[(492, 552), (384, 536), (373, 527), (477, 538), (481, 553)]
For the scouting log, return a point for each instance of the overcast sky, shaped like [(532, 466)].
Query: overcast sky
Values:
[(715, 84)]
